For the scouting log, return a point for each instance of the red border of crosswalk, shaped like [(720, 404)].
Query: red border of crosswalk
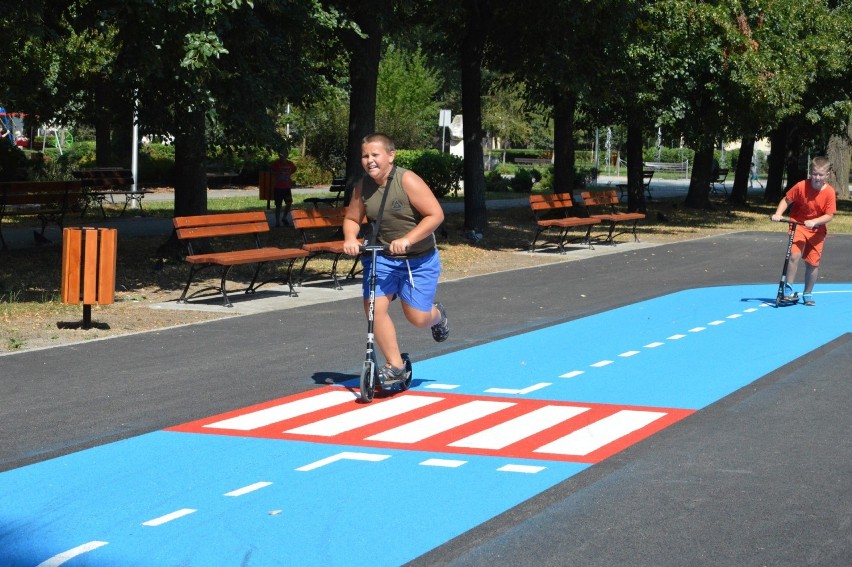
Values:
[(526, 448)]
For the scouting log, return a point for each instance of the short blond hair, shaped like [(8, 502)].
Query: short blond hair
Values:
[(384, 139), (821, 163)]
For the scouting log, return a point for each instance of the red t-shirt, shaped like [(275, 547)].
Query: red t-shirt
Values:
[(808, 203), (282, 170)]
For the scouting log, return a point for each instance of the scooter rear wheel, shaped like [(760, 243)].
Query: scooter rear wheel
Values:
[(368, 382)]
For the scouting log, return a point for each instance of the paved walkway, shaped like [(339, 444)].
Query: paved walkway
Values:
[(757, 478)]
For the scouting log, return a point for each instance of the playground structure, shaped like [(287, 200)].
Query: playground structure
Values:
[(13, 128)]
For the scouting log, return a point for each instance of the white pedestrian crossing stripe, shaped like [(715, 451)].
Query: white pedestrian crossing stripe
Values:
[(448, 423)]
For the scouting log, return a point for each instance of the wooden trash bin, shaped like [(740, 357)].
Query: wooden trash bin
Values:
[(88, 268), (266, 187)]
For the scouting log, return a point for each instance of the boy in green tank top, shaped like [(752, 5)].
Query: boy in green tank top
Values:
[(411, 267)]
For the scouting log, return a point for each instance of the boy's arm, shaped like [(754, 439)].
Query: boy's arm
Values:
[(782, 207), (352, 223), (820, 220)]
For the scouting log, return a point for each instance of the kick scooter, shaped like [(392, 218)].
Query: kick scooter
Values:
[(779, 298), (371, 381)]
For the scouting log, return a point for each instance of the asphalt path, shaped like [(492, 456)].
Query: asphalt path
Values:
[(761, 477)]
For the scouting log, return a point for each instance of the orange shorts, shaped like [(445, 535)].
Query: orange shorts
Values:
[(808, 242)]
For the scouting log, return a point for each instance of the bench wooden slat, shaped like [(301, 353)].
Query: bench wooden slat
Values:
[(239, 257), (223, 230)]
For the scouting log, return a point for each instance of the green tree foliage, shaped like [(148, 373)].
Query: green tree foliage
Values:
[(406, 104)]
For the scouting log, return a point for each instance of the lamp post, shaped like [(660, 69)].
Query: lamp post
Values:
[(444, 121)]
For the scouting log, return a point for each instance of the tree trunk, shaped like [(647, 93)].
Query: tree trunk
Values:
[(635, 166), (564, 106), (190, 174), (472, 45), (775, 164), (698, 196), (742, 177), (364, 56), (839, 154)]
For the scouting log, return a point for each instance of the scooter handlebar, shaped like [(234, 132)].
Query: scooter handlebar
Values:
[(784, 219), (376, 247)]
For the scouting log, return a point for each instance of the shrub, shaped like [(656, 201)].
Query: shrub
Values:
[(522, 182), (441, 172), (496, 183), (309, 172), (13, 163), (156, 163)]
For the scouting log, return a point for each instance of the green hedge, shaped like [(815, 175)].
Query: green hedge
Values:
[(442, 172)]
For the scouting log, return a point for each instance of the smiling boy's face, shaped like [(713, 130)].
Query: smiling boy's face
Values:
[(377, 160), (819, 175)]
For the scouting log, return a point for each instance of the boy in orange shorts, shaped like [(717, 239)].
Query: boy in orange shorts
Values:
[(813, 203)]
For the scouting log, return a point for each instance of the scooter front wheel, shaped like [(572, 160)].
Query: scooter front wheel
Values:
[(406, 384), (368, 381)]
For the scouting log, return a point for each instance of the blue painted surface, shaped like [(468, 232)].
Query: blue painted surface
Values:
[(691, 372), (386, 512), (345, 513)]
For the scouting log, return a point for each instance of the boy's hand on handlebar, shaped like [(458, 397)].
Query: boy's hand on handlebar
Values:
[(399, 246), (777, 218), (352, 247)]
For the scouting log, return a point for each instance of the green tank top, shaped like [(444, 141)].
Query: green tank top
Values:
[(399, 216)]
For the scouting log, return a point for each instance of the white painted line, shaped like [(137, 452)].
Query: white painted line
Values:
[(602, 363), (522, 391), (364, 416), (629, 353), (346, 455), (442, 386), (572, 374), (438, 423), (734, 316), (449, 463), (289, 410), (697, 329), (519, 428), (247, 489), (169, 517), (601, 433), (61, 558), (528, 469), (714, 323), (654, 345), (676, 337)]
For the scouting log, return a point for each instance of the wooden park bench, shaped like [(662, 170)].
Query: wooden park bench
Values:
[(49, 201), (647, 176), (105, 183), (718, 182), (338, 186), (221, 251), (533, 161), (220, 176), (551, 211), (603, 206), (321, 231)]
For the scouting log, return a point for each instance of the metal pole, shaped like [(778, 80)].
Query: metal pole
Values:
[(134, 160)]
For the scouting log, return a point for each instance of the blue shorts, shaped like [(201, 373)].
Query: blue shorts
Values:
[(415, 281)]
